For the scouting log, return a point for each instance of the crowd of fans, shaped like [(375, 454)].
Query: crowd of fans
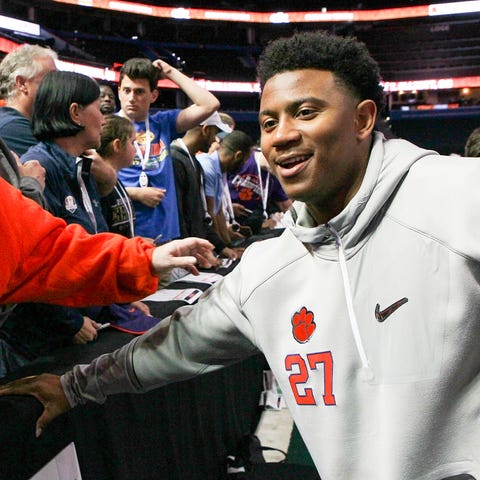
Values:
[(105, 161), (365, 308)]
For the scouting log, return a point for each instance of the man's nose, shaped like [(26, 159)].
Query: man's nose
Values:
[(286, 132)]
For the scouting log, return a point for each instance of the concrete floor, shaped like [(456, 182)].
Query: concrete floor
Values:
[(274, 430)]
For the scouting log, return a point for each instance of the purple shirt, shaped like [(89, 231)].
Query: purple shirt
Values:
[(246, 189)]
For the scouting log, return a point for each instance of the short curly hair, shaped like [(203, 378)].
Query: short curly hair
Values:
[(346, 57)]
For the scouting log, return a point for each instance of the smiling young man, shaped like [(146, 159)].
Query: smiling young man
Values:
[(366, 307)]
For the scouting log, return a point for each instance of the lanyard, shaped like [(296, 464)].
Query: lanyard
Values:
[(82, 169), (263, 190), (123, 195), (144, 158), (228, 199)]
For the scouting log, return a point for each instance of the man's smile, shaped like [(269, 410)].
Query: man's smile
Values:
[(292, 164)]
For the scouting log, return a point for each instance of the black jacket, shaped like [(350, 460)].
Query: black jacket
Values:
[(188, 183)]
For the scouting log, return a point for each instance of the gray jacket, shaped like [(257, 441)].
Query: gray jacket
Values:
[(370, 324)]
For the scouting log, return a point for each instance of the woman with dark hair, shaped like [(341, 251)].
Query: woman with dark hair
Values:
[(67, 121), (61, 98)]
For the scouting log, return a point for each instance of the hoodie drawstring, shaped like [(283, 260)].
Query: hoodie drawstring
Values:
[(367, 371)]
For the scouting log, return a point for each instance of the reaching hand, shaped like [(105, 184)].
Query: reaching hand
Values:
[(142, 307), (47, 389), (240, 211), (185, 253), (232, 253)]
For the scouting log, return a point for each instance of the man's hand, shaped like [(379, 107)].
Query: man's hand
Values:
[(32, 168), (87, 333), (164, 67), (240, 211), (185, 253), (234, 233), (232, 253), (104, 174), (142, 307), (47, 389), (149, 196)]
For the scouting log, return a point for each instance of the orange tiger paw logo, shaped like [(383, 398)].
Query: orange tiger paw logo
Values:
[(303, 325)]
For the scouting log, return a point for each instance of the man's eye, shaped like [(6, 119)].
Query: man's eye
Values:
[(305, 112), (268, 124)]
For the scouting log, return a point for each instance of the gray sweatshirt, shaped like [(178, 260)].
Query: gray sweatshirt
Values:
[(370, 324)]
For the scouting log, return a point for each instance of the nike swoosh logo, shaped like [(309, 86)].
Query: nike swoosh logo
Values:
[(382, 315)]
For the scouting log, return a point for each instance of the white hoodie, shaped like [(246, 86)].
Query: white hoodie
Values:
[(370, 324)]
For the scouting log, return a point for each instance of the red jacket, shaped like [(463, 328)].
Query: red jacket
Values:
[(44, 260)]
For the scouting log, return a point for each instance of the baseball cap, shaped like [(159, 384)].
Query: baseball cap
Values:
[(215, 120), (127, 319)]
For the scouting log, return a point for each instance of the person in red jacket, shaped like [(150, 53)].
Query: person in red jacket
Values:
[(44, 260)]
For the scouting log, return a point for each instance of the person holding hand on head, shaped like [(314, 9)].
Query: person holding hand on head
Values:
[(150, 180)]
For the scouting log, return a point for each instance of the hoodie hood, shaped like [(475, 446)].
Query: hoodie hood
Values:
[(389, 162), (344, 234)]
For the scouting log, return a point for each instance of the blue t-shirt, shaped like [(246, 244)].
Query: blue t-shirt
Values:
[(212, 174), (16, 130), (163, 219)]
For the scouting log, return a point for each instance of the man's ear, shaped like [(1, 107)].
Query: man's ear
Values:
[(21, 83), (154, 95), (365, 116), (238, 155), (205, 130)]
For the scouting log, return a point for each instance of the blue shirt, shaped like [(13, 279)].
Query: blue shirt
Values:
[(16, 130), (213, 181), (163, 219)]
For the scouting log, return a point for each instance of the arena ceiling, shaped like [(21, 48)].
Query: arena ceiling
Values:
[(407, 49)]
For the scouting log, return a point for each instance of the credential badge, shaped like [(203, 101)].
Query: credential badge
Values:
[(143, 179), (70, 204)]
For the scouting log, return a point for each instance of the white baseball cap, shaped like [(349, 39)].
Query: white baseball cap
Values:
[(215, 120)]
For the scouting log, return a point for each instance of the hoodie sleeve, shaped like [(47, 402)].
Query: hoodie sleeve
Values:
[(201, 338)]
